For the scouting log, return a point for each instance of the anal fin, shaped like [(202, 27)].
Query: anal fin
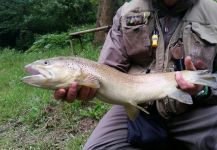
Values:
[(181, 96), (132, 112), (140, 108)]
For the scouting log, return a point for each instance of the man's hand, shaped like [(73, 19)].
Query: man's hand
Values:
[(73, 92), (192, 89)]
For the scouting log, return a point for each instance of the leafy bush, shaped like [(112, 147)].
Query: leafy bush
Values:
[(59, 41), (21, 20), (41, 17), (50, 41)]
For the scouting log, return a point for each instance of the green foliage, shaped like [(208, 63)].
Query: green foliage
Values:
[(94, 2), (59, 15), (49, 42), (54, 41), (76, 143), (21, 20), (30, 118), (12, 15), (12, 20), (24, 39), (95, 112)]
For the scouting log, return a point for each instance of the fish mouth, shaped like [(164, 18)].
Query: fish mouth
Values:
[(32, 71), (34, 75)]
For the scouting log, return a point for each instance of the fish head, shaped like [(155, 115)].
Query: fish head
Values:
[(52, 73)]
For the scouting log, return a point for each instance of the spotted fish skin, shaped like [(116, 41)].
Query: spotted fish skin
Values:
[(113, 86)]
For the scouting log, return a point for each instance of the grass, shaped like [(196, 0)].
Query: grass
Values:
[(30, 117)]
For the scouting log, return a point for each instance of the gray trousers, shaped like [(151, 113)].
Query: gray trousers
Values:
[(196, 129)]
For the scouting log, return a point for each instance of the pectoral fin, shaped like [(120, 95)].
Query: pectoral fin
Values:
[(181, 96), (90, 81)]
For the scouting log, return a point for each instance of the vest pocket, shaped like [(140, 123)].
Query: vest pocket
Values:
[(137, 42), (201, 46), (202, 53)]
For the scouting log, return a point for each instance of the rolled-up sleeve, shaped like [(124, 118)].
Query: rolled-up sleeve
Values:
[(113, 52)]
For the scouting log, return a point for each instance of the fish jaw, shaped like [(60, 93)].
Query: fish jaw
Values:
[(53, 76), (38, 77), (34, 80)]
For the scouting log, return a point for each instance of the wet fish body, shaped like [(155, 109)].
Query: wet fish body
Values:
[(113, 86)]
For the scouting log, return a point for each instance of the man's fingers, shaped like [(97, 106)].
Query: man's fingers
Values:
[(59, 94), (72, 92), (190, 88), (182, 83), (92, 93), (189, 64), (84, 93)]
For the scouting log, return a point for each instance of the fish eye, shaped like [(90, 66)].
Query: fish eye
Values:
[(45, 62)]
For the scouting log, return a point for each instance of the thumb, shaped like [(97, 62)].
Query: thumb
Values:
[(189, 64)]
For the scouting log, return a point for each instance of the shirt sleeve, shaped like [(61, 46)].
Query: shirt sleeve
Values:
[(113, 52), (212, 99)]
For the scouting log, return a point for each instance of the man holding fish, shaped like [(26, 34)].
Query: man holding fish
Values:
[(150, 36)]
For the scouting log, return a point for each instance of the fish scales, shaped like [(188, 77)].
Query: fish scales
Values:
[(113, 86)]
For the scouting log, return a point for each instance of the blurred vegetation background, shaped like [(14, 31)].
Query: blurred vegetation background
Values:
[(22, 21)]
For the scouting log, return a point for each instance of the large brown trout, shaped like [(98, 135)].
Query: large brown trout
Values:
[(113, 86)]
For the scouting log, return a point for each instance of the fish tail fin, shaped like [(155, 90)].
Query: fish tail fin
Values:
[(203, 77), (200, 77)]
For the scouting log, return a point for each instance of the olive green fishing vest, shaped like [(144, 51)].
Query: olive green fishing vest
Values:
[(197, 30)]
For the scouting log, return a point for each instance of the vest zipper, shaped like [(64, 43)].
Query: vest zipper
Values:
[(166, 24), (160, 57), (166, 30)]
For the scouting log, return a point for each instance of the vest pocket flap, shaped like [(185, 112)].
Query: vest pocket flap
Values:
[(206, 32)]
